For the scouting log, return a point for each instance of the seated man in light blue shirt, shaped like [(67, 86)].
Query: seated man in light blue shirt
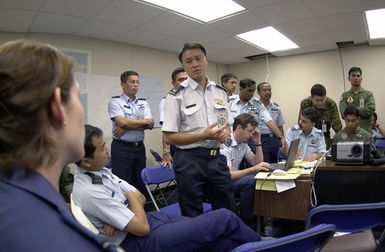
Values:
[(244, 128), (312, 144), (116, 210)]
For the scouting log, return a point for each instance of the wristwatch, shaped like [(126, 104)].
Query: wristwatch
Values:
[(166, 151)]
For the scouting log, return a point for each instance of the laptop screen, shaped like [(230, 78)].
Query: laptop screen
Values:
[(292, 154)]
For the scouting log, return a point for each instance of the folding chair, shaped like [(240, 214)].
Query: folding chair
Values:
[(350, 218), (307, 241), (77, 212), (158, 176)]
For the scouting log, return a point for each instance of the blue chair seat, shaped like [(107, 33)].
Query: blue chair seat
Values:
[(307, 241)]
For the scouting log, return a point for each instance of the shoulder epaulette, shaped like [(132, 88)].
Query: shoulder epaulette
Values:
[(295, 127), (276, 104), (176, 90), (220, 87), (117, 96), (142, 99)]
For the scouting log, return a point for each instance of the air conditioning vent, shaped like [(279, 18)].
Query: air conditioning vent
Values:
[(260, 56)]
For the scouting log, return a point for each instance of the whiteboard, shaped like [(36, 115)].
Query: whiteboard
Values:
[(99, 89)]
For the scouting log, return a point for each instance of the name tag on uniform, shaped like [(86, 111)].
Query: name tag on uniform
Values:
[(190, 106)]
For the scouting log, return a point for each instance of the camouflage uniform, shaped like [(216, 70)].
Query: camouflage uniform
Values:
[(65, 183), (364, 101), (328, 118), (359, 135)]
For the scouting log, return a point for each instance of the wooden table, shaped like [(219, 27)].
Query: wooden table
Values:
[(292, 204)]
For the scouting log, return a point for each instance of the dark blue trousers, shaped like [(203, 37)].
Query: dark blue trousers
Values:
[(217, 230), (244, 189), (128, 160), (202, 174), (270, 146)]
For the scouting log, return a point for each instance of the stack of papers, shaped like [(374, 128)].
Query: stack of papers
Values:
[(305, 164)]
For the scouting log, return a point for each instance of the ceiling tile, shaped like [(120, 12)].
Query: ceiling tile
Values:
[(372, 4), (239, 23), (344, 21), (227, 43), (331, 7), (23, 5), (128, 13), (16, 20), (169, 23), (102, 30), (55, 23), (356, 35), (254, 4), (283, 12), (300, 28), (139, 37), (313, 39), (169, 44), (80, 8), (202, 34)]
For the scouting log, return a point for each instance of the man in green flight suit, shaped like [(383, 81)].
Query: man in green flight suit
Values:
[(327, 110), (358, 97)]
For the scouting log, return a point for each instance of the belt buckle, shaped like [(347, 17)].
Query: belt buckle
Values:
[(136, 144), (213, 152), (271, 135)]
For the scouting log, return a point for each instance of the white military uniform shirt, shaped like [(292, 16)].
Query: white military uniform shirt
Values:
[(235, 152), (253, 107), (190, 109)]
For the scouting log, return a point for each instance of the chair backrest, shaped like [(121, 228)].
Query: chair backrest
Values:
[(77, 212), (309, 240), (156, 175), (348, 217), (156, 156), (380, 143)]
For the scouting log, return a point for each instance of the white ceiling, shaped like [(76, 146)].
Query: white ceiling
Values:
[(314, 25)]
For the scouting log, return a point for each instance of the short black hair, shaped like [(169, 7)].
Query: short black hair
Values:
[(189, 46), (226, 77), (311, 113), (243, 120), (246, 83), (176, 72), (317, 90), (89, 147), (351, 110), (262, 83), (355, 69), (124, 76)]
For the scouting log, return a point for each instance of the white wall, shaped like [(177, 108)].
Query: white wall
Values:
[(292, 77)]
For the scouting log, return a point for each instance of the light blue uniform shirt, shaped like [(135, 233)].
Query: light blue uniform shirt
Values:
[(104, 203), (253, 107), (137, 109), (312, 143), (235, 152), (276, 114)]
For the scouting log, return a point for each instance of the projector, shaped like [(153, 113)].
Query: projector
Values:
[(351, 153)]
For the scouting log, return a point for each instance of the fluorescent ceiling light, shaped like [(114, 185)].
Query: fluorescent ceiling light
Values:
[(269, 39), (375, 20), (204, 10)]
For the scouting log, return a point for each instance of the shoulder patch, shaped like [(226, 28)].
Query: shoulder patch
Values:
[(176, 90), (142, 99), (220, 87), (116, 96)]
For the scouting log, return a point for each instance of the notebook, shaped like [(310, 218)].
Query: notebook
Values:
[(293, 149)]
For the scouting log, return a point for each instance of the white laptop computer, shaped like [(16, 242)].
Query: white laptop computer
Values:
[(293, 149)]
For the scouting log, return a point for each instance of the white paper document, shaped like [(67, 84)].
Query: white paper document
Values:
[(284, 185)]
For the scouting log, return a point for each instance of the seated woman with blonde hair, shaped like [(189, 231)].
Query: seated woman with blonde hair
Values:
[(41, 131)]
